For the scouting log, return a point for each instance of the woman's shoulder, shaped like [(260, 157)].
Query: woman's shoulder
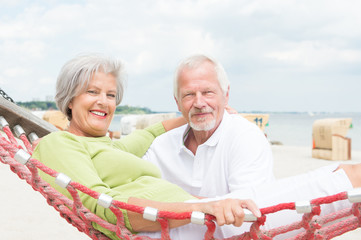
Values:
[(53, 139), (58, 134), (70, 137), (62, 139)]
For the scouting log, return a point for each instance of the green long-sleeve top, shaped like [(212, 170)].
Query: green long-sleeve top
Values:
[(106, 166)]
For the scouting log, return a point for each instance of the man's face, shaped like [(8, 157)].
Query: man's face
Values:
[(201, 99)]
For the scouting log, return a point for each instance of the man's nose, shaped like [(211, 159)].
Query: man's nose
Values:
[(199, 100)]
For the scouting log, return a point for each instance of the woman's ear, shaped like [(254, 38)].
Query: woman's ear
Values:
[(70, 105)]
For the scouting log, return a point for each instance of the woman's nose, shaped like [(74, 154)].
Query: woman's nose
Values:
[(102, 99)]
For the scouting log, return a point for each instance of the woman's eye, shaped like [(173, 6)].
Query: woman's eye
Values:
[(91, 92), (111, 95)]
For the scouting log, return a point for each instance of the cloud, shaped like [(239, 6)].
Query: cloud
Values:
[(271, 50), (314, 54)]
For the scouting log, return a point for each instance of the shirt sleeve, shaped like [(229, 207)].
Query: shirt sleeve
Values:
[(139, 141), (251, 160)]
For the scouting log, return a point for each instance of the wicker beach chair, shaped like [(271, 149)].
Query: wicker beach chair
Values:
[(329, 139)]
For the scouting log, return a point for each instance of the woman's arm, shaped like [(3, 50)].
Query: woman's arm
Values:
[(140, 140), (173, 123), (227, 211)]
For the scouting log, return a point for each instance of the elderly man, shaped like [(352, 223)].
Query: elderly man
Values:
[(216, 152)]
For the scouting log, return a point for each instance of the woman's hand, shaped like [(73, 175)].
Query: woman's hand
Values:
[(230, 211), (172, 123), (230, 110)]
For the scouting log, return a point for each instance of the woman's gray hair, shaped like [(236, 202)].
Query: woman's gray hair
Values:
[(76, 74), (195, 61)]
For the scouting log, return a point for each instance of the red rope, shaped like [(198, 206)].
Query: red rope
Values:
[(10, 135), (27, 144), (316, 226)]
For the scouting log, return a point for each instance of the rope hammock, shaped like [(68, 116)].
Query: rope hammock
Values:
[(16, 152)]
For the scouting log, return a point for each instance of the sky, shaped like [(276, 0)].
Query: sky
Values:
[(294, 55)]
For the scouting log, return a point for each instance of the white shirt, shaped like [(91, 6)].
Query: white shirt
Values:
[(321, 182), (236, 156)]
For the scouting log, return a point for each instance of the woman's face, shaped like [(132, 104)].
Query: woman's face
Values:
[(93, 109)]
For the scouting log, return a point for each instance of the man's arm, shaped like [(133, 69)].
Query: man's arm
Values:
[(250, 159)]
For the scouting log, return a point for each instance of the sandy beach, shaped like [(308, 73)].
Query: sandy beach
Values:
[(25, 213)]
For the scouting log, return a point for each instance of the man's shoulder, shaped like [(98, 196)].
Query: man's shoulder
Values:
[(243, 132), (174, 134), (239, 123), (165, 145)]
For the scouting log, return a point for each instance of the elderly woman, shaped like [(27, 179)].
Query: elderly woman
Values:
[(88, 90)]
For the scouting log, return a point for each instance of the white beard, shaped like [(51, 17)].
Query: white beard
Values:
[(201, 125)]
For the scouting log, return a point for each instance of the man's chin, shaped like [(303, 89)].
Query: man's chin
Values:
[(203, 126)]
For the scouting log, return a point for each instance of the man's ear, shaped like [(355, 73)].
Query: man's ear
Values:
[(227, 96), (176, 101)]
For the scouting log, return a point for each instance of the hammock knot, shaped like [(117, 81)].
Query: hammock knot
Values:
[(256, 233), (356, 210), (316, 210), (211, 228), (315, 223), (319, 235)]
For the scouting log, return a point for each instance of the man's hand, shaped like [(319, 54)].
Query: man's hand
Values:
[(230, 211)]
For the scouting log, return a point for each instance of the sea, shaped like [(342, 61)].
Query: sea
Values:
[(293, 128)]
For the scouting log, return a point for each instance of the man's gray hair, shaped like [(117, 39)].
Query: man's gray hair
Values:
[(195, 61)]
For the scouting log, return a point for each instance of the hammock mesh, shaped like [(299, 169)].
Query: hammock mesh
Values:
[(17, 154)]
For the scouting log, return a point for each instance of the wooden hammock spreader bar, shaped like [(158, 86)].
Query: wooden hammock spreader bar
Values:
[(16, 115)]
